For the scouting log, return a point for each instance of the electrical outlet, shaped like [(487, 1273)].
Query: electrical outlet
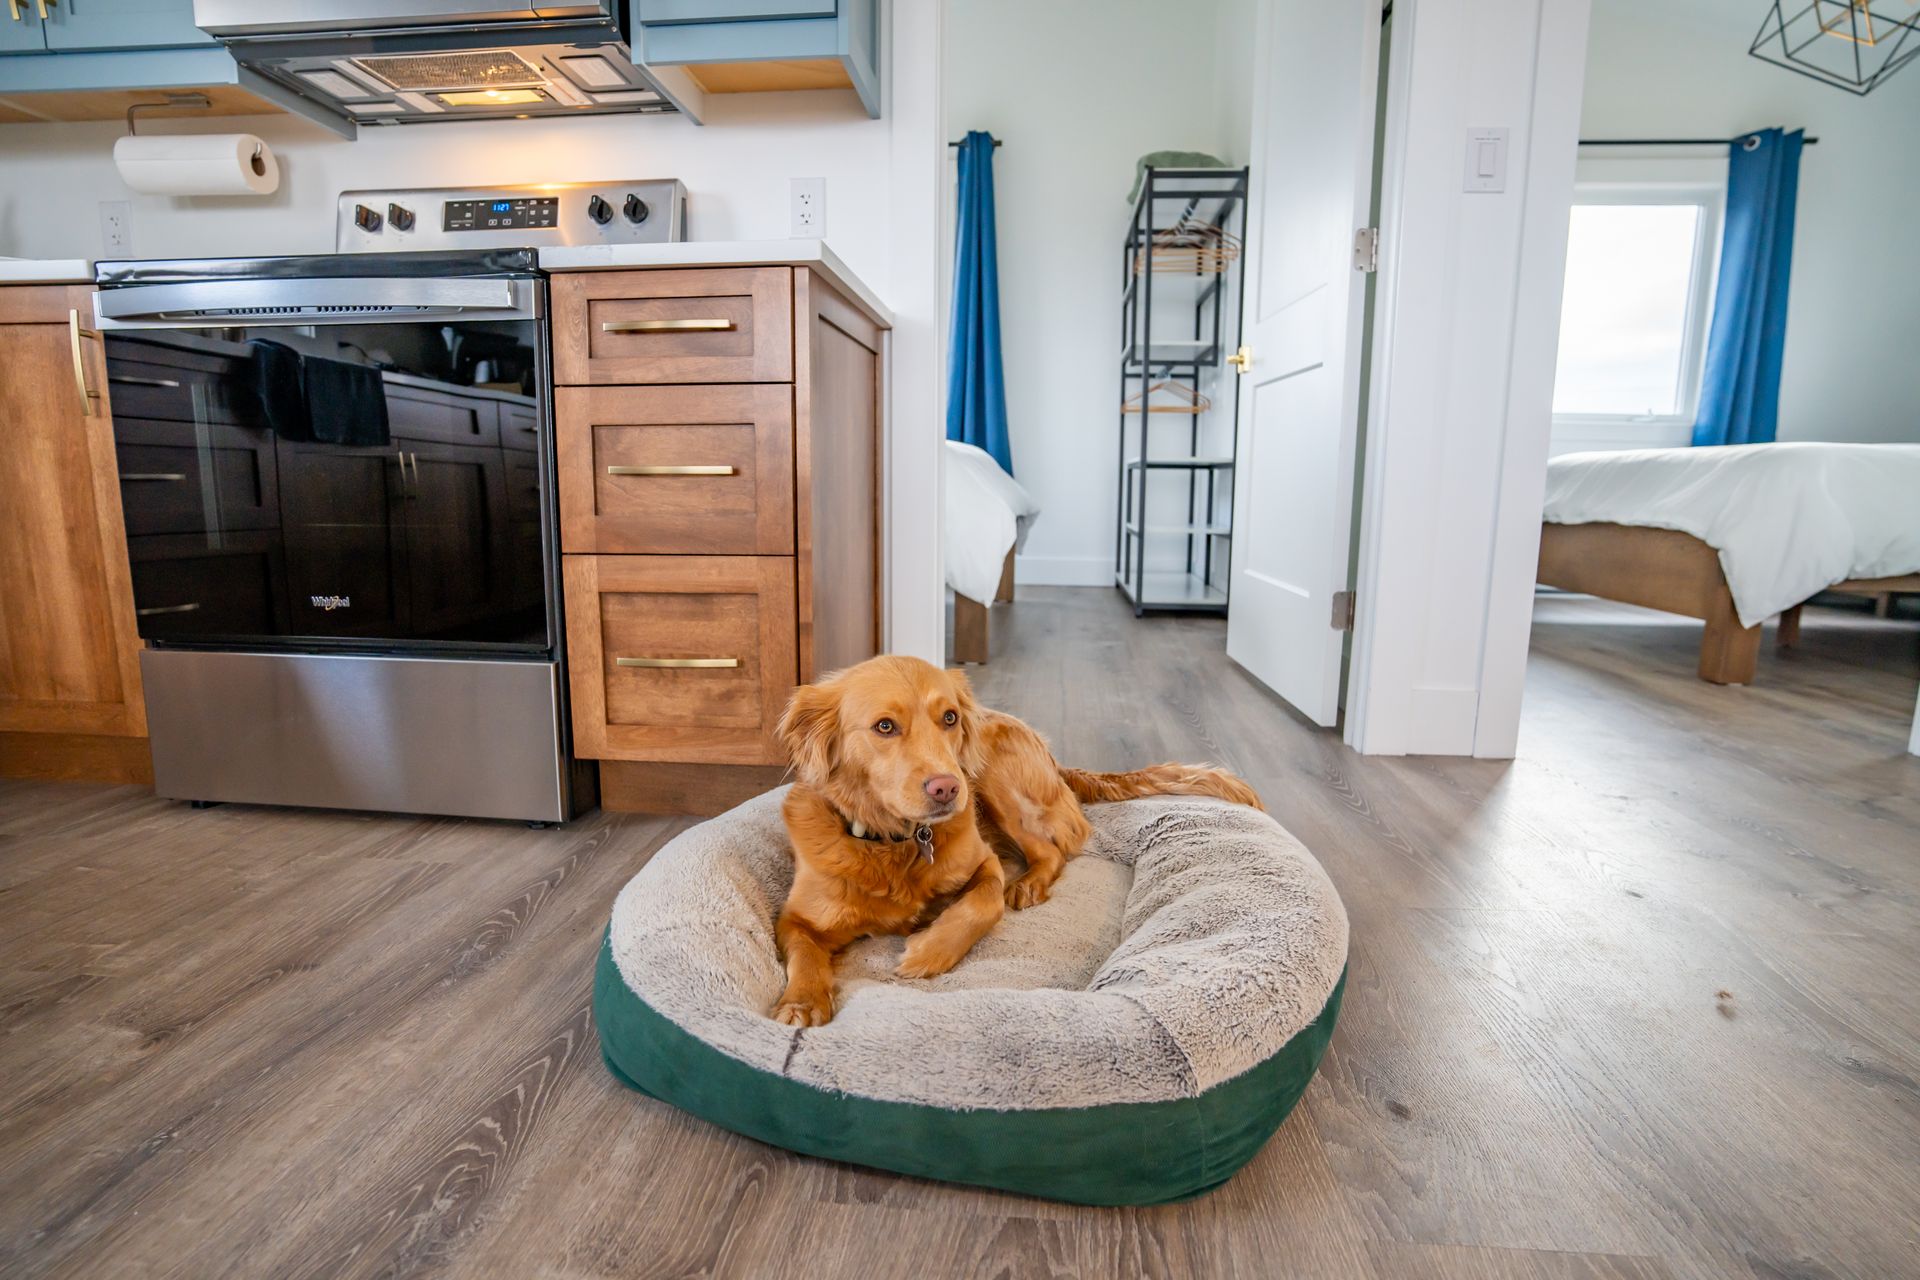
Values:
[(809, 208), (116, 226)]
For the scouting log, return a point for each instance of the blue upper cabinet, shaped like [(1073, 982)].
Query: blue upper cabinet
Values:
[(20, 29), (75, 25), (89, 26), (743, 46)]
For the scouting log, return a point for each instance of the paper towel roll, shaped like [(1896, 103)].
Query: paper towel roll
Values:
[(197, 164)]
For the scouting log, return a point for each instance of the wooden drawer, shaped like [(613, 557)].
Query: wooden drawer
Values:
[(621, 450), (664, 609), (709, 325), (184, 586), (190, 388)]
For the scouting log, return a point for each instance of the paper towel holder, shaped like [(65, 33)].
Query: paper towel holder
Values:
[(183, 101)]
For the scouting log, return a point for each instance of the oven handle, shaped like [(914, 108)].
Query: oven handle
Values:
[(194, 303)]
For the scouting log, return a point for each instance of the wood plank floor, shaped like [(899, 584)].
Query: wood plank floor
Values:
[(1644, 1003)]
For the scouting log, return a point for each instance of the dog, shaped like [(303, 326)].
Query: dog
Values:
[(904, 787)]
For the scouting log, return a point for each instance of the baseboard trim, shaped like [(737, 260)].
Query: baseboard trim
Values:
[(76, 757), (1063, 571)]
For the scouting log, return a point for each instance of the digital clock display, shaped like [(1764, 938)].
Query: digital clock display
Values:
[(501, 215)]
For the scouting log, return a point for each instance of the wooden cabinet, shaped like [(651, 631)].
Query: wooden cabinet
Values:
[(70, 702), (719, 500)]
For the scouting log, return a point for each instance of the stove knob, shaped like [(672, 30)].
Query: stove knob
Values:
[(599, 210), (636, 209), (400, 216), (366, 219)]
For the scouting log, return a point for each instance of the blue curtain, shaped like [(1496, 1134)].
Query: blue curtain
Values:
[(1740, 393), (976, 384)]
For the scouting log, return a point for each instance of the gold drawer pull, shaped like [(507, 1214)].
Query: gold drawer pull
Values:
[(166, 608), (87, 394), (703, 664), (128, 380), (673, 471), (667, 326), (153, 475)]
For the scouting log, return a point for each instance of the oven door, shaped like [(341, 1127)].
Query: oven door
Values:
[(336, 464)]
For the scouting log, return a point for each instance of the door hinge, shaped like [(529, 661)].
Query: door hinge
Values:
[(1343, 611), (1366, 249)]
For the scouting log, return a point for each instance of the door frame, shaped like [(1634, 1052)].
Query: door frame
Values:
[(1394, 704)]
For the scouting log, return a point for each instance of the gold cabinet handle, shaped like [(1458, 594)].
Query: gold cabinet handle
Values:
[(128, 380), (152, 475), (166, 608), (667, 326), (43, 9), (87, 395), (703, 664), (673, 471), (15, 6)]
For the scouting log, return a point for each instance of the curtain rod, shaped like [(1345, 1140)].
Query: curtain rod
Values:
[(996, 143), (1672, 142)]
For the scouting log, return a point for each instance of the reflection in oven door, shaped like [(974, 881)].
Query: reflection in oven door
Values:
[(244, 526)]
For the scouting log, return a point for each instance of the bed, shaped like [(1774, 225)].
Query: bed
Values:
[(1734, 535), (987, 518)]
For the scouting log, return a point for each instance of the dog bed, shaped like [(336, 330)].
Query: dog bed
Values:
[(1134, 1040)]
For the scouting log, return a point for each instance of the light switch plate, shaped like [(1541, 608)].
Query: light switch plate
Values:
[(1486, 160)]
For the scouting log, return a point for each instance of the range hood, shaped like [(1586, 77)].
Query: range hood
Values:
[(425, 61)]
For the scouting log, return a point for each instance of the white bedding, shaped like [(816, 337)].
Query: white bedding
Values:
[(1787, 519), (987, 513)]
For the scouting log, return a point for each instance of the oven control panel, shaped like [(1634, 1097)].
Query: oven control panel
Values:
[(634, 211), (503, 211)]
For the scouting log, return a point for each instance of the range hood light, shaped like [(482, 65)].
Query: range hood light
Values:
[(491, 97)]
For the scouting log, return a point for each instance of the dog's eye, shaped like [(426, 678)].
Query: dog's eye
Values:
[(952, 718), (885, 728)]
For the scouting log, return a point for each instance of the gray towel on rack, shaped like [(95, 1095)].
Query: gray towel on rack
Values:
[(1170, 160)]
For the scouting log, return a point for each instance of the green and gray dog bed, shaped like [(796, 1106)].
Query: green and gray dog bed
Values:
[(1134, 1040)]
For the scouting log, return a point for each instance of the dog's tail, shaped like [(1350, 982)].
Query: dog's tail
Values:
[(1159, 780)]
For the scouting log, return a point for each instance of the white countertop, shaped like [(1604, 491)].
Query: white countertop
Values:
[(722, 253), (45, 271)]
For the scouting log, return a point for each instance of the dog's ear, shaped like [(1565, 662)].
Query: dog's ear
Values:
[(973, 751), (810, 727)]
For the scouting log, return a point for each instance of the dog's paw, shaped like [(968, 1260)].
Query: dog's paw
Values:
[(804, 1011), (924, 961), (1028, 891)]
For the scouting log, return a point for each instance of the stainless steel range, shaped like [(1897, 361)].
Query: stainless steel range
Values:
[(337, 478)]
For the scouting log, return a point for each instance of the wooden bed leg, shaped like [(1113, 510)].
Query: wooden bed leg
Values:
[(1005, 594), (1789, 628), (969, 629), (1729, 652)]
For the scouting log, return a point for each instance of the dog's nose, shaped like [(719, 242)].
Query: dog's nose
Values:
[(943, 788)]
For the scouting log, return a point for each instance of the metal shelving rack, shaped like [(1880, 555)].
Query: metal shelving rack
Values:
[(1215, 198)]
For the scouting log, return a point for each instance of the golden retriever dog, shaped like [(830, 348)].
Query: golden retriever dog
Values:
[(904, 787)]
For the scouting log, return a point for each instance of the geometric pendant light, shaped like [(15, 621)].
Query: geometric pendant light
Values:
[(1850, 44)]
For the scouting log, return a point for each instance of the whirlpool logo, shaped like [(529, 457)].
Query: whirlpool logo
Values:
[(330, 603)]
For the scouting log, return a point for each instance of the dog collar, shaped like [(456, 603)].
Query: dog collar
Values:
[(922, 837)]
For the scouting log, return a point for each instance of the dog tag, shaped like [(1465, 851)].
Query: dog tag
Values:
[(923, 836)]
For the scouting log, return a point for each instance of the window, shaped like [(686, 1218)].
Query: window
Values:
[(1634, 312)]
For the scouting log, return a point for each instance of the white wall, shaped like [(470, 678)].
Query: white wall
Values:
[(1656, 68), (882, 217), (1084, 89)]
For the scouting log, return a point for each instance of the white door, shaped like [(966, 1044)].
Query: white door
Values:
[(1316, 66)]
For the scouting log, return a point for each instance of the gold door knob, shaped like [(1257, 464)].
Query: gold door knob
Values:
[(1242, 360)]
